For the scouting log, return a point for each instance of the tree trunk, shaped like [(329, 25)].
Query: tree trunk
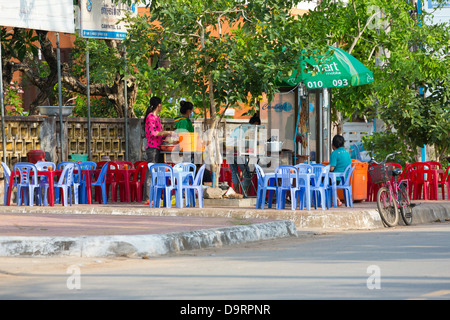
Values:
[(214, 152)]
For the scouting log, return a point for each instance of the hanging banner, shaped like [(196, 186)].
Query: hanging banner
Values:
[(50, 15), (280, 117), (100, 19)]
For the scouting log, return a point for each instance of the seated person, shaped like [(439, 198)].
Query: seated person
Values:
[(340, 158)]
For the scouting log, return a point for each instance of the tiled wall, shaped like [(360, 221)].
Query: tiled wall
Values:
[(107, 137)]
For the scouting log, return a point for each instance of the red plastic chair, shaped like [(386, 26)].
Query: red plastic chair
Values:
[(100, 164), (436, 178), (121, 164), (225, 173), (444, 181), (434, 165), (419, 183), (405, 176), (138, 163), (138, 181), (372, 189)]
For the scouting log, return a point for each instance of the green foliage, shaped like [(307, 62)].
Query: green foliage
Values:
[(380, 144), (104, 60), (406, 56), (18, 42), (100, 107), (218, 65), (13, 99)]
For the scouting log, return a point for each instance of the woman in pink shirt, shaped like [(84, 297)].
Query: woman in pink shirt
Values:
[(155, 135), (153, 130)]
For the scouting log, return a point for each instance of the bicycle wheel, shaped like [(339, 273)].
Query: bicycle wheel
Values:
[(405, 205), (387, 207)]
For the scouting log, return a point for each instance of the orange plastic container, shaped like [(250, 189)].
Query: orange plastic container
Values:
[(359, 186), (188, 141)]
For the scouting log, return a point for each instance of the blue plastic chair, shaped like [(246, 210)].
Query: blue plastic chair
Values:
[(26, 182), (260, 186), (319, 188), (190, 168), (346, 185), (304, 168), (162, 181), (66, 182), (197, 185), (6, 186), (43, 181), (150, 192), (85, 165), (265, 184), (302, 193), (76, 179), (317, 169), (88, 165), (101, 183), (185, 166), (285, 177), (60, 166)]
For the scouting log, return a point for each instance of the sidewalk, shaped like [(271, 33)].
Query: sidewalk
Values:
[(130, 229)]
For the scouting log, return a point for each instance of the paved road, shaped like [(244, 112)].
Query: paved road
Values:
[(397, 263)]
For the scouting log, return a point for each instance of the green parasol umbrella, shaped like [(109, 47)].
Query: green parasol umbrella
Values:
[(337, 70), (341, 69)]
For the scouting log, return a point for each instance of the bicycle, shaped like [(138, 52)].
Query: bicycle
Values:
[(393, 194)]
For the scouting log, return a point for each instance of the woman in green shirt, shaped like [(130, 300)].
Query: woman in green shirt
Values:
[(183, 123)]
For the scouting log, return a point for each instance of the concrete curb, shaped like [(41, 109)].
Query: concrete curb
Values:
[(365, 217), (431, 211), (280, 224), (144, 245)]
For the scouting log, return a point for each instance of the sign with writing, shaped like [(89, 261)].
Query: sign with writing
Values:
[(434, 4), (101, 19), (49, 15), (340, 69), (440, 12)]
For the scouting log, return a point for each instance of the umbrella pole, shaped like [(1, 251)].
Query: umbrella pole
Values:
[(308, 153), (2, 106), (326, 124), (299, 99)]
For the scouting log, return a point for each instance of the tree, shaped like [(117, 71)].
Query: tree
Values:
[(109, 64), (407, 56), (225, 52), (20, 53)]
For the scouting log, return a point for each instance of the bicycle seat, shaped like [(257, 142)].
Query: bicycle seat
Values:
[(396, 172)]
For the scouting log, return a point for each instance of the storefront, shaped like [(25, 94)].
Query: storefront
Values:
[(301, 111), (281, 115)]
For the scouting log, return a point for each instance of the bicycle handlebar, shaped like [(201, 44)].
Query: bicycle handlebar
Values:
[(385, 159)]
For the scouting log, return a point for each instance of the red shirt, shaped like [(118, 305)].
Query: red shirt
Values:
[(152, 127)]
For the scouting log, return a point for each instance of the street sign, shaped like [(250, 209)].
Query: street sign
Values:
[(100, 19), (50, 15)]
